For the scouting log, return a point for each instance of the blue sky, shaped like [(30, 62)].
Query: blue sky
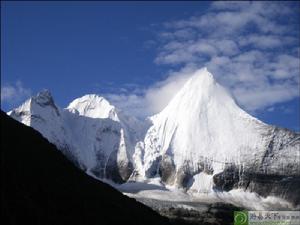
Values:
[(137, 54)]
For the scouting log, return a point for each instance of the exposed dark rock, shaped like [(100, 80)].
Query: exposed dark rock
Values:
[(286, 187), (44, 98), (154, 169), (183, 177), (117, 171), (227, 180), (167, 170)]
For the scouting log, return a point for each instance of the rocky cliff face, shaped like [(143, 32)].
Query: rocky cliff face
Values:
[(201, 142), (277, 173)]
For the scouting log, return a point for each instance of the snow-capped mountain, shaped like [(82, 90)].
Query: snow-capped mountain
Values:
[(90, 131), (201, 141), (202, 129)]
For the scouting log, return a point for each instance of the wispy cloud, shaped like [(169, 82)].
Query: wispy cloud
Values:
[(143, 102), (252, 48), (14, 93)]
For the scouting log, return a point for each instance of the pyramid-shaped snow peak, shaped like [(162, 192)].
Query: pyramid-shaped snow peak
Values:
[(206, 118), (203, 132)]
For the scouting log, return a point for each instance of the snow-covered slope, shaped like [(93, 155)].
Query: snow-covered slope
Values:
[(202, 120), (89, 131), (41, 113), (201, 142), (203, 133)]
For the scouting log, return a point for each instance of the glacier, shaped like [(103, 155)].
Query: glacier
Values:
[(201, 142)]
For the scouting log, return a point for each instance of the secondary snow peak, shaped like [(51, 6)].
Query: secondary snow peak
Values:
[(93, 106)]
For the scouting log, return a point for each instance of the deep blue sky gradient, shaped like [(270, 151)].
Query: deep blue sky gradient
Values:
[(76, 48)]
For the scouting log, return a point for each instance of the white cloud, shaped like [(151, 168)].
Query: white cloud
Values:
[(252, 48), (262, 96), (153, 99), (261, 41), (158, 95), (15, 93)]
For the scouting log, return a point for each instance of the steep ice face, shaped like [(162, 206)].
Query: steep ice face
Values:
[(41, 113), (89, 131), (41, 104), (201, 121), (202, 132), (94, 106), (105, 140), (128, 129)]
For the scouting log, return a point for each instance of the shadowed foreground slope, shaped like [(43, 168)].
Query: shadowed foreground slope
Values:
[(40, 186)]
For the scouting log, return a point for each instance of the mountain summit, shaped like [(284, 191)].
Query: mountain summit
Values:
[(90, 132), (202, 141), (93, 106), (202, 122)]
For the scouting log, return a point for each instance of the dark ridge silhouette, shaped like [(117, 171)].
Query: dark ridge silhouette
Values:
[(40, 186)]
